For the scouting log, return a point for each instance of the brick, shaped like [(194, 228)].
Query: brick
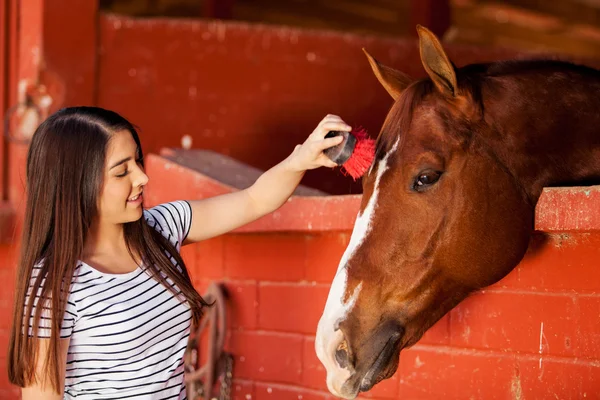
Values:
[(568, 209), (323, 255), (439, 333), (270, 257), (209, 258), (242, 390), (188, 184), (309, 214), (588, 343), (431, 372), (266, 391), (560, 262), (516, 322), (265, 356), (425, 374), (386, 389), (291, 307), (590, 385), (314, 375), (313, 372), (242, 304), (553, 378)]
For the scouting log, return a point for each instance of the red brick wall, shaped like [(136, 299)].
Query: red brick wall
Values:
[(537, 332), (533, 335)]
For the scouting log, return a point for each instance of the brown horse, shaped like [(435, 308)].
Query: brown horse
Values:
[(448, 203)]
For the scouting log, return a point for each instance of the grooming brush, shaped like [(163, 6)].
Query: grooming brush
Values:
[(355, 154)]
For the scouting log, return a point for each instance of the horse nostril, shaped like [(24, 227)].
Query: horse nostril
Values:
[(341, 354)]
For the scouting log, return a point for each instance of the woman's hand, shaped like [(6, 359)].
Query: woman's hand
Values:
[(309, 155), (224, 213)]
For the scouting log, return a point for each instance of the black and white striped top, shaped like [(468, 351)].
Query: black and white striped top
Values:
[(127, 332)]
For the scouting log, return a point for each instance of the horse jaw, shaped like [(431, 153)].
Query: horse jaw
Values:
[(328, 336)]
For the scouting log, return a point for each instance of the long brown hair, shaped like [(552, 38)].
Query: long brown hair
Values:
[(65, 165)]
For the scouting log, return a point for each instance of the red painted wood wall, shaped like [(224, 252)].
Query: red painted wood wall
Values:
[(253, 92)]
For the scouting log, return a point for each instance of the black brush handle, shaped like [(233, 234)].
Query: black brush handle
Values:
[(340, 153)]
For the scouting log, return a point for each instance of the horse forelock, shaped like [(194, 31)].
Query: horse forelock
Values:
[(397, 124), (398, 120)]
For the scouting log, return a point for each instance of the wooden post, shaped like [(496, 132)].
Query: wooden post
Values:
[(219, 9)]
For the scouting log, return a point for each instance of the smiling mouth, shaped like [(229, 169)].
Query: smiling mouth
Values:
[(136, 197)]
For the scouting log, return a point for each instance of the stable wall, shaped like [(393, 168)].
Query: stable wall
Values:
[(254, 92), (533, 335)]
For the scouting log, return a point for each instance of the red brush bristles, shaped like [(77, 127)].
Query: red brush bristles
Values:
[(362, 156)]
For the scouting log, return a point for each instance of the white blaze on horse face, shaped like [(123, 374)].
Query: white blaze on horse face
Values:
[(328, 337)]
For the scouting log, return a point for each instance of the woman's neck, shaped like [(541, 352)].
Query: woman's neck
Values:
[(104, 238)]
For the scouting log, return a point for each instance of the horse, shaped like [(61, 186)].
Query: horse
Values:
[(448, 203)]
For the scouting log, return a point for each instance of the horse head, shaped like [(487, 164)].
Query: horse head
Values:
[(447, 206)]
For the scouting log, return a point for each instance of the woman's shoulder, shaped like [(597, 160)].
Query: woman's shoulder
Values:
[(79, 272), (176, 209), (172, 219)]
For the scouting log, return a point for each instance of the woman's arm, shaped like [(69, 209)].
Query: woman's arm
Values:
[(42, 389), (221, 214)]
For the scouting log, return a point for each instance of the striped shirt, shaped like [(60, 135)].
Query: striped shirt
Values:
[(127, 332)]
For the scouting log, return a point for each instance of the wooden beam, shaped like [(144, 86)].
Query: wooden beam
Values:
[(218, 9), (433, 14)]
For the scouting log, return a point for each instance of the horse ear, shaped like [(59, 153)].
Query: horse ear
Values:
[(393, 81), (437, 64)]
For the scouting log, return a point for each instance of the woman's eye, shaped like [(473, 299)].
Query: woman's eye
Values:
[(425, 179), (123, 174)]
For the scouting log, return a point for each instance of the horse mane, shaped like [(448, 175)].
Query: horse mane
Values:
[(513, 67), (470, 79)]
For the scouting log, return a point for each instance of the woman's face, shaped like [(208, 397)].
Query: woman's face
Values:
[(124, 179)]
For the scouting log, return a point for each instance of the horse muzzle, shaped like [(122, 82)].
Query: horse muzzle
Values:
[(349, 374), (383, 367)]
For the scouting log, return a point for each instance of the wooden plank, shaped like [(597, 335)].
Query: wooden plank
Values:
[(574, 11), (222, 9), (70, 31), (378, 17), (434, 14), (501, 25)]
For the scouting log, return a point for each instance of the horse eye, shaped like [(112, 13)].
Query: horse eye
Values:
[(425, 179)]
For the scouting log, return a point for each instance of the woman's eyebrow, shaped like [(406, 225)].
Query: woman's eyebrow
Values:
[(120, 162)]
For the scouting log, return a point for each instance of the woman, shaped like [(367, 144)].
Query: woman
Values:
[(104, 302)]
